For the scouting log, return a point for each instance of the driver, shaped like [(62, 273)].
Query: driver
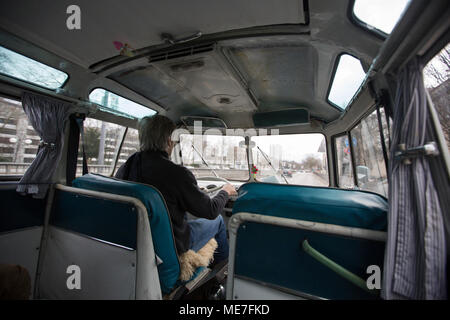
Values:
[(152, 165)]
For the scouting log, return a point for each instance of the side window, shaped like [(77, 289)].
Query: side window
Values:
[(436, 76), (15, 65), (347, 79), (373, 14), (101, 143), (344, 162), (130, 146), (18, 140), (368, 155)]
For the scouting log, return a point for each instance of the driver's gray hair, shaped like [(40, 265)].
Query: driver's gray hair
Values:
[(154, 133)]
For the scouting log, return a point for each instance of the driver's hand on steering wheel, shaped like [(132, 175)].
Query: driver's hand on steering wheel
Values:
[(230, 189)]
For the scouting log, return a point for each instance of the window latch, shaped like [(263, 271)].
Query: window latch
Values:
[(429, 149)]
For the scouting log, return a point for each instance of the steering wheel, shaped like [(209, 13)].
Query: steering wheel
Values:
[(215, 188)]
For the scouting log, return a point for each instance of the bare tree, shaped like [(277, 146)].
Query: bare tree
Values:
[(311, 162), (437, 80), (437, 71)]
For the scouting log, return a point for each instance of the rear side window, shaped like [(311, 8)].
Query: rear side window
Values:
[(18, 140), (368, 156), (347, 79), (17, 66)]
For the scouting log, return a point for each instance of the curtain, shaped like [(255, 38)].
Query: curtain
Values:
[(415, 257), (48, 117)]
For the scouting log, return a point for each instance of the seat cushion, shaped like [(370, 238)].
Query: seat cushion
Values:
[(351, 208), (160, 224)]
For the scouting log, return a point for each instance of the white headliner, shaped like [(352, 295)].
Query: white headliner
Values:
[(136, 22), (327, 32)]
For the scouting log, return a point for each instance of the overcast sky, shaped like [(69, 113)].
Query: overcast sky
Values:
[(382, 14)]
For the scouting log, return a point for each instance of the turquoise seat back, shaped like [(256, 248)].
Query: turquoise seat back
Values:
[(159, 219), (273, 254), (350, 208)]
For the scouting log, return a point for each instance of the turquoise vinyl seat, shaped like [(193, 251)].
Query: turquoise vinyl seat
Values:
[(160, 224), (350, 208), (273, 255)]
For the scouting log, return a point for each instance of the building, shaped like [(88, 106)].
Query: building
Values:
[(18, 140)]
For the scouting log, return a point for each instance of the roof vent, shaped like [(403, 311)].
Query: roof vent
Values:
[(181, 52)]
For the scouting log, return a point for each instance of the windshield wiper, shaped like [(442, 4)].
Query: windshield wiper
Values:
[(270, 163), (204, 161)]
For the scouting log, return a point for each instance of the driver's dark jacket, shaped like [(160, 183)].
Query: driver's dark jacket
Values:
[(178, 187)]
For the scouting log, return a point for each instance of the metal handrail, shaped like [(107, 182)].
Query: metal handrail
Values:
[(340, 270)]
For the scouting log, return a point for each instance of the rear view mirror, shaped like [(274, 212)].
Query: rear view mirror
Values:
[(281, 118), (243, 145)]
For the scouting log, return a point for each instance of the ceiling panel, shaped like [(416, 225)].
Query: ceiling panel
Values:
[(136, 22), (278, 76)]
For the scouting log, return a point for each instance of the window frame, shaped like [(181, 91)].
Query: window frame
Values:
[(442, 142), (116, 152), (35, 84), (335, 158), (373, 108), (363, 25), (119, 113)]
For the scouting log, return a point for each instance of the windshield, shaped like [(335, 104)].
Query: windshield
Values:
[(222, 154), (299, 159)]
